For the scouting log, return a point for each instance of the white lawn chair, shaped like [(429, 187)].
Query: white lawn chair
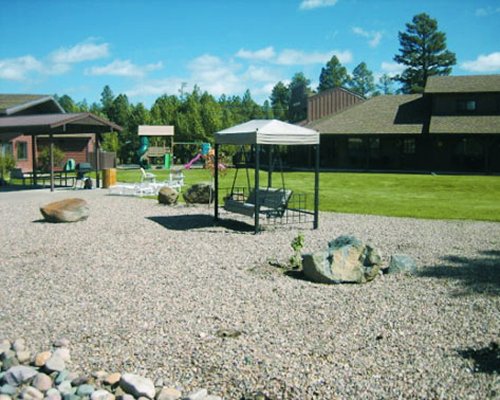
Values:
[(147, 176)]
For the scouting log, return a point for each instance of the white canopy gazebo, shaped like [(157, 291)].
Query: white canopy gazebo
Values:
[(263, 132)]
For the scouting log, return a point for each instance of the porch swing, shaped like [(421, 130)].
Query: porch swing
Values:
[(273, 202), (269, 201)]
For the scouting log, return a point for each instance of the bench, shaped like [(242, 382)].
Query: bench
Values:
[(273, 202)]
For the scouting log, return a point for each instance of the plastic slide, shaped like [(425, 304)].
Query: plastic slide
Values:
[(190, 163), (143, 148)]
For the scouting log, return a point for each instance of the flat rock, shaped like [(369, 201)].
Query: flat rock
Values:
[(41, 358), (19, 374), (168, 393), (138, 386), (68, 210)]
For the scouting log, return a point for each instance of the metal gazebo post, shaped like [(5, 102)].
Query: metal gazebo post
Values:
[(216, 183), (257, 185), (316, 188), (51, 151)]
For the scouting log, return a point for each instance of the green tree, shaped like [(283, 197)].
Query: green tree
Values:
[(385, 85), (362, 81), (299, 91), (423, 51), (107, 99), (67, 103), (333, 75), (211, 114), (280, 97)]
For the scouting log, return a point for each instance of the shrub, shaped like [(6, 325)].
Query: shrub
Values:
[(44, 158), (7, 163)]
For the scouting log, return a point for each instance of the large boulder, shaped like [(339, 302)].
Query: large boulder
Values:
[(199, 193), (168, 196), (347, 260), (68, 210)]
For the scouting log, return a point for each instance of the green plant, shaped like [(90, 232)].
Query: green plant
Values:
[(7, 163), (297, 245), (44, 158)]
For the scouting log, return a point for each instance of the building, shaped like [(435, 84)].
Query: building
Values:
[(28, 123), (454, 126)]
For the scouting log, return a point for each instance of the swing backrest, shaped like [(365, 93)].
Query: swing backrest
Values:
[(271, 199)]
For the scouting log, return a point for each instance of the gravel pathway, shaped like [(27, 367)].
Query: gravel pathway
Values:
[(160, 292)]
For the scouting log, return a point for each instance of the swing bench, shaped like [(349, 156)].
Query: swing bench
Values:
[(273, 203)]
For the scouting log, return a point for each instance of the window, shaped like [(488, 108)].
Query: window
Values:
[(5, 148), (466, 106), (22, 150), (409, 146), (355, 146)]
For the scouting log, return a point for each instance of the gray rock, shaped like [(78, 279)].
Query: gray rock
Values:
[(102, 395), (19, 374), (42, 382), (79, 380), (23, 356), (8, 390), (63, 353), (19, 345), (137, 386), (61, 377), (31, 393), (67, 210), (55, 364), (66, 388), (69, 396), (5, 397), (168, 196), (199, 193), (197, 395), (4, 345), (402, 264), (168, 393), (347, 260), (53, 394), (85, 390)]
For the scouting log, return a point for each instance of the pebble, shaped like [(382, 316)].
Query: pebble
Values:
[(55, 364), (85, 390), (63, 342), (19, 374), (66, 388), (31, 393), (102, 394), (63, 353), (23, 356), (5, 397), (53, 394), (200, 394), (42, 382), (168, 393), (138, 386), (8, 389), (112, 379), (62, 376), (19, 345), (42, 358)]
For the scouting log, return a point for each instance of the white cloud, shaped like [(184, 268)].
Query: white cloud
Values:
[(298, 57), (483, 63), (312, 4), (16, 69), (258, 74), (79, 53), (374, 37), (262, 54), (124, 68), (485, 12), (392, 69)]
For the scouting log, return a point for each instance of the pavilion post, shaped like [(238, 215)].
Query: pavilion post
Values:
[(256, 188), (216, 183), (97, 160), (316, 188), (51, 152), (33, 158), (270, 170)]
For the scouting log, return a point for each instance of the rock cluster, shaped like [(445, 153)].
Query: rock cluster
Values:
[(349, 260), (45, 376), (67, 210), (199, 193)]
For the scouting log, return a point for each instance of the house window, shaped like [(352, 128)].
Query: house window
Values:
[(22, 150), (5, 149), (466, 106), (409, 146), (375, 147), (354, 146)]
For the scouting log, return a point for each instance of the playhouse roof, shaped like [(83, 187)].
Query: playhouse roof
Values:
[(267, 131)]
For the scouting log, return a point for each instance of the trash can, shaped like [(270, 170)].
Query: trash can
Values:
[(109, 177), (167, 161)]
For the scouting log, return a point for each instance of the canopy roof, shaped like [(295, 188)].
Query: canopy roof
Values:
[(156, 130), (57, 123), (267, 131)]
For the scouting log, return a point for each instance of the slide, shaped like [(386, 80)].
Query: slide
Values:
[(190, 163), (143, 148)]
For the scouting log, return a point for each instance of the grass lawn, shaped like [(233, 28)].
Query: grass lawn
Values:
[(400, 195)]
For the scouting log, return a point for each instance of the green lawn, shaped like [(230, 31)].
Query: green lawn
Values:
[(402, 195)]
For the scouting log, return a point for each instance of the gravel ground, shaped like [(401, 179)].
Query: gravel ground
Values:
[(159, 291)]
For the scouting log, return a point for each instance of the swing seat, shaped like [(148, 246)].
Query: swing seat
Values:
[(273, 202)]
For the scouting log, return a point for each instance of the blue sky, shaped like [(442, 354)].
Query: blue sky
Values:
[(151, 47)]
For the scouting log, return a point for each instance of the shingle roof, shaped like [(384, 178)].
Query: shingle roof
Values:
[(397, 114), (11, 103), (465, 124), (463, 84)]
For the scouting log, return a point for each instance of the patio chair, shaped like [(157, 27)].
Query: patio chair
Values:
[(147, 176)]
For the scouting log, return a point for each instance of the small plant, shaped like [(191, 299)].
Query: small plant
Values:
[(7, 163), (44, 158), (297, 245)]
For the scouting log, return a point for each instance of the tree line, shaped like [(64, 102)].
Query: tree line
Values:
[(198, 114)]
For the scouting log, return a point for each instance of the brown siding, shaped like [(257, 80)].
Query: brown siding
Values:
[(330, 102)]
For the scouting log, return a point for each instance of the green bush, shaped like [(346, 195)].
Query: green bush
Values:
[(44, 158), (7, 163)]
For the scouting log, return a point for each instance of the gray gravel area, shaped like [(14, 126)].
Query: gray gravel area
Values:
[(158, 291)]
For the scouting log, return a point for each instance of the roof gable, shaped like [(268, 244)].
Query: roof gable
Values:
[(463, 84), (28, 104)]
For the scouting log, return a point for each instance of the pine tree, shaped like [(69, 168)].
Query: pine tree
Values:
[(362, 81), (333, 75), (423, 50)]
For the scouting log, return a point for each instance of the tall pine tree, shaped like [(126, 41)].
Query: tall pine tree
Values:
[(333, 75), (423, 51)]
